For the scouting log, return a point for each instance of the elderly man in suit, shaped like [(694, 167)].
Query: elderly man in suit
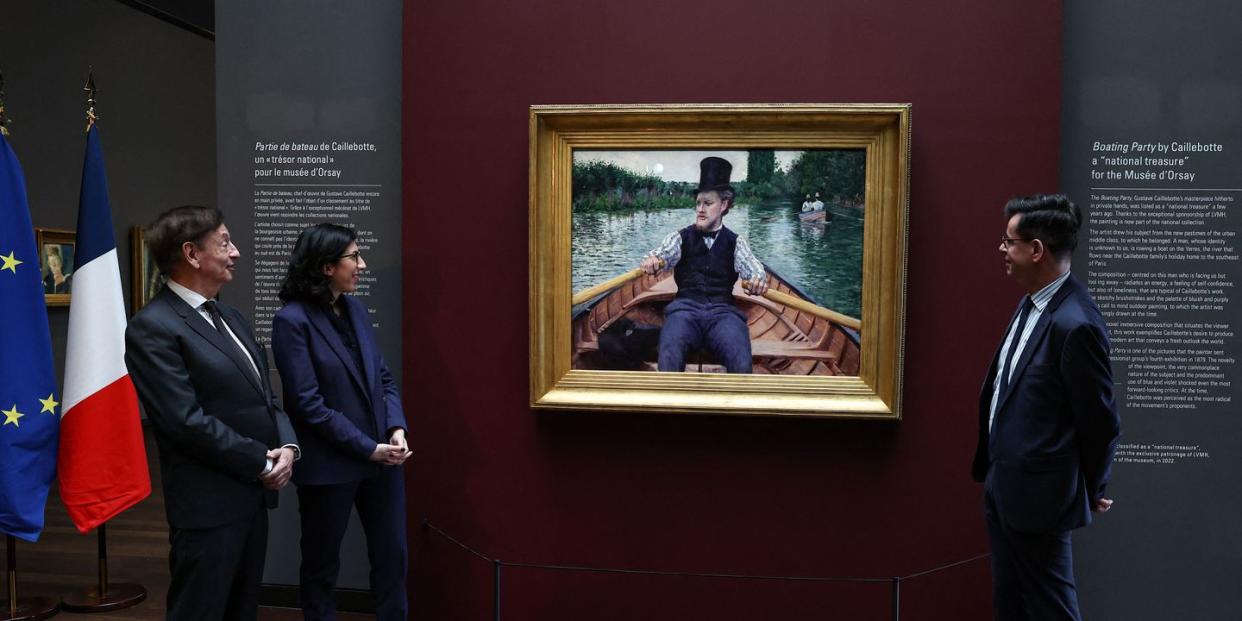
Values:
[(1048, 425), (225, 445)]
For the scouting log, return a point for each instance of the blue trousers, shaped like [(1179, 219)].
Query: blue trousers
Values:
[(1032, 574), (718, 327), (325, 513)]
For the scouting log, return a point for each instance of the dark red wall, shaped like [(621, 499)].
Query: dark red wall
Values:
[(716, 494)]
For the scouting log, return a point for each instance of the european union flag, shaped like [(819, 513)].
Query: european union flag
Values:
[(29, 408)]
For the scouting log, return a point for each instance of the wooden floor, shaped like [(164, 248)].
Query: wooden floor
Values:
[(64, 561)]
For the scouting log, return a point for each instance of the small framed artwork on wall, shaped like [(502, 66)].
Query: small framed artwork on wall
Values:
[(56, 254)]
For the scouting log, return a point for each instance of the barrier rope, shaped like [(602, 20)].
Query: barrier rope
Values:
[(694, 574)]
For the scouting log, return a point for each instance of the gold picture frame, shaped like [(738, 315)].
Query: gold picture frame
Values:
[(145, 279), (882, 131), (57, 248)]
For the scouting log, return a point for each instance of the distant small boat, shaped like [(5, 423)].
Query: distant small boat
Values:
[(814, 216), (784, 341)]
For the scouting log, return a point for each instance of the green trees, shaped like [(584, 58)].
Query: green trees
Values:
[(764, 177), (761, 166), (602, 186), (837, 174)]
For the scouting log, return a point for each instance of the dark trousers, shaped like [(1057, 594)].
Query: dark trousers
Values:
[(325, 511), (216, 571), (719, 328), (1032, 574)]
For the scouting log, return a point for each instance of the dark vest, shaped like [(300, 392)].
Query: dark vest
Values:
[(703, 274)]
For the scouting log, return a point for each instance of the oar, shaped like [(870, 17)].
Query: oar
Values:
[(607, 285), (771, 294), (807, 307)]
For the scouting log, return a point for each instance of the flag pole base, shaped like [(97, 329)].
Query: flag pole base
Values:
[(119, 595), (29, 609)]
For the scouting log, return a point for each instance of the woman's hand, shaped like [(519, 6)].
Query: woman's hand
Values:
[(395, 452)]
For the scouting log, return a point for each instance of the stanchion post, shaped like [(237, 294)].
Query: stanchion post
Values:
[(105, 595), (103, 558), (496, 590), (896, 599), (12, 565), (25, 609)]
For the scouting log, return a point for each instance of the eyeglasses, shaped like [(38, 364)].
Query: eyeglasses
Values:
[(1009, 241), (355, 255)]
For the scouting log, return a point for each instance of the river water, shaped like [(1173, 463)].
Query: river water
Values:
[(822, 260)]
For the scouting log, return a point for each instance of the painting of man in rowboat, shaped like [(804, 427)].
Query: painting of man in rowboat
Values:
[(711, 262)]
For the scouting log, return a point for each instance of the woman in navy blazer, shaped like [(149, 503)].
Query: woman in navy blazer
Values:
[(347, 412)]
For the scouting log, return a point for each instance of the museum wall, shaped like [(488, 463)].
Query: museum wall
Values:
[(706, 493), (156, 107)]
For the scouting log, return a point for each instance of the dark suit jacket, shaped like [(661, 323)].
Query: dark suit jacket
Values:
[(1050, 450), (340, 411), (213, 420)]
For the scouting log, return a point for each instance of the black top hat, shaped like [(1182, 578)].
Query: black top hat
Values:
[(714, 174)]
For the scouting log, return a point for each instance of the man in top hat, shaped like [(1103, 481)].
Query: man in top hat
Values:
[(707, 259), (817, 205)]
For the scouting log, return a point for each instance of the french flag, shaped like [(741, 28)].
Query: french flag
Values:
[(102, 463)]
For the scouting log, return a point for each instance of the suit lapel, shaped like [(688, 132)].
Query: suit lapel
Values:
[(1037, 335), (319, 318), (360, 320), (198, 324), (236, 323)]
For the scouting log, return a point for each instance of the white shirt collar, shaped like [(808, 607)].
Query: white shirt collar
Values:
[(1043, 296), (190, 296)]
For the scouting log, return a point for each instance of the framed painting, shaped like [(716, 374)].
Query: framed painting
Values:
[(730, 259), (145, 278), (56, 256)]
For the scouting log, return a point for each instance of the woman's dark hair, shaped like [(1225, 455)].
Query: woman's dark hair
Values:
[(173, 228), (1051, 218), (318, 246)]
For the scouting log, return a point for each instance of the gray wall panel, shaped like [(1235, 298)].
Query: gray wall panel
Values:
[(1160, 254)]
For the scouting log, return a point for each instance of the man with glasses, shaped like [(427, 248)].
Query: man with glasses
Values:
[(1048, 425), (225, 445)]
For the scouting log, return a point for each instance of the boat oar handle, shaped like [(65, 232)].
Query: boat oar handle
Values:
[(771, 294), (607, 285), (813, 309)]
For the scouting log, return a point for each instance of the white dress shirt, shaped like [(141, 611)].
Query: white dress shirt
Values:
[(1039, 302), (196, 300)]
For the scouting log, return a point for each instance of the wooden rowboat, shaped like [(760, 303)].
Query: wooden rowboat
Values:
[(784, 340), (813, 216)]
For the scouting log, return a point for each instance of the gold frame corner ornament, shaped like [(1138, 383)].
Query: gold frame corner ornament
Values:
[(883, 130)]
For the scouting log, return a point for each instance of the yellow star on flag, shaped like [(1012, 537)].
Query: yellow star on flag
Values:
[(49, 404), (11, 416), (10, 263)]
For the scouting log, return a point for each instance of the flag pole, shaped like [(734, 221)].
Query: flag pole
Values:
[(14, 608), (4, 120), (90, 99), (103, 596), (25, 608)]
